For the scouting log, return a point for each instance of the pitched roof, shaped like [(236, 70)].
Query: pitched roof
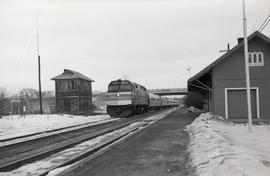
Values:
[(209, 67), (70, 74)]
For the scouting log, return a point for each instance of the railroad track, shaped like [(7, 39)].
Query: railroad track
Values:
[(22, 153), (6, 140), (33, 136)]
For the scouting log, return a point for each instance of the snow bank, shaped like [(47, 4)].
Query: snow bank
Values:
[(14, 125), (222, 148)]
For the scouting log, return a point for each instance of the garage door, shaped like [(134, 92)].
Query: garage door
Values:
[(237, 104)]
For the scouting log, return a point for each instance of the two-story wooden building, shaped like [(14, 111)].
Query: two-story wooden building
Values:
[(222, 83), (73, 92)]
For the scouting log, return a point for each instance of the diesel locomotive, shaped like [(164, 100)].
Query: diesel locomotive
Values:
[(125, 98)]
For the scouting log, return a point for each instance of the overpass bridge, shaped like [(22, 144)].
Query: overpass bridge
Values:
[(169, 91)]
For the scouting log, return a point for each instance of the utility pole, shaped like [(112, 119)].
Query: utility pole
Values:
[(39, 74), (247, 67)]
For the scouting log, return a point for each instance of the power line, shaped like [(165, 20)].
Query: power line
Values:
[(252, 13), (264, 24), (259, 8)]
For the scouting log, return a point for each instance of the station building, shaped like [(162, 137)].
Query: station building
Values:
[(222, 83), (73, 92)]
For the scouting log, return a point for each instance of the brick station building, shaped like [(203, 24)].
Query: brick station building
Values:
[(222, 83), (73, 92)]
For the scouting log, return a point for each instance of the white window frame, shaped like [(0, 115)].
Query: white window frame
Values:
[(255, 56), (242, 88)]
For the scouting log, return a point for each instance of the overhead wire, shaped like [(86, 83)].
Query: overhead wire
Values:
[(251, 7), (256, 16), (254, 8), (27, 45), (264, 24)]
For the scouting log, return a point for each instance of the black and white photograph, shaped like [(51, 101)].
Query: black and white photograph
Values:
[(134, 87)]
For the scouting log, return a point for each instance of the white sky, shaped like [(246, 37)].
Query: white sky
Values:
[(151, 42)]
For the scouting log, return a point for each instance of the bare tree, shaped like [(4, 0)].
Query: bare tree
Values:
[(28, 93), (3, 100)]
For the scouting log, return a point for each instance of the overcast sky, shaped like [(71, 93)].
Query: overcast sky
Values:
[(151, 42)]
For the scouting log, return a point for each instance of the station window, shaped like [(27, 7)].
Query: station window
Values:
[(59, 85), (61, 105), (73, 84), (73, 104), (255, 59), (69, 85)]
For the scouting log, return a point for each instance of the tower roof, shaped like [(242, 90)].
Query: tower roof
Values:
[(70, 74)]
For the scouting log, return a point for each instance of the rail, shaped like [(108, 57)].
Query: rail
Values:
[(30, 156)]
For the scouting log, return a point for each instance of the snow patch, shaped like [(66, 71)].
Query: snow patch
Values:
[(39, 167), (223, 148), (58, 159), (15, 125)]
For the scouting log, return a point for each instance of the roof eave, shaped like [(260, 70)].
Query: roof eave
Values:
[(210, 66)]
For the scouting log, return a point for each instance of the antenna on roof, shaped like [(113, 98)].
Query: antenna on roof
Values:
[(228, 48), (39, 75)]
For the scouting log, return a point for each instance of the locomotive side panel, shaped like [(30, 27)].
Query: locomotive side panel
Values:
[(140, 96)]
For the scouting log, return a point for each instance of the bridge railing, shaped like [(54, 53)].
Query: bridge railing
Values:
[(168, 90)]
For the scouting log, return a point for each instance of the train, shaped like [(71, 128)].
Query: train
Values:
[(125, 98)]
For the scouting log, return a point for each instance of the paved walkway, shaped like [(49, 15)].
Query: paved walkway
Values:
[(159, 150)]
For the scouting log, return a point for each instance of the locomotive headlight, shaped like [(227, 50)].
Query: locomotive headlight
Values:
[(117, 94)]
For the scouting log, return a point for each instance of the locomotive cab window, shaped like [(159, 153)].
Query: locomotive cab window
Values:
[(113, 88), (125, 87), (120, 86)]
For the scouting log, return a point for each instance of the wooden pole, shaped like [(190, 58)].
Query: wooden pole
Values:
[(247, 67), (39, 74), (39, 81)]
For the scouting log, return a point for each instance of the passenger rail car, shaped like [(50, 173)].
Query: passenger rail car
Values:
[(154, 102)]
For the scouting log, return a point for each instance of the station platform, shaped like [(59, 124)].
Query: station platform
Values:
[(158, 150)]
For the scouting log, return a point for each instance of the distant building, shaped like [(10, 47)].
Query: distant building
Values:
[(73, 92), (222, 83)]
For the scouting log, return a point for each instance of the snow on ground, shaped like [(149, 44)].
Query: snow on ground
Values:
[(219, 148), (15, 125), (57, 159), (38, 167)]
